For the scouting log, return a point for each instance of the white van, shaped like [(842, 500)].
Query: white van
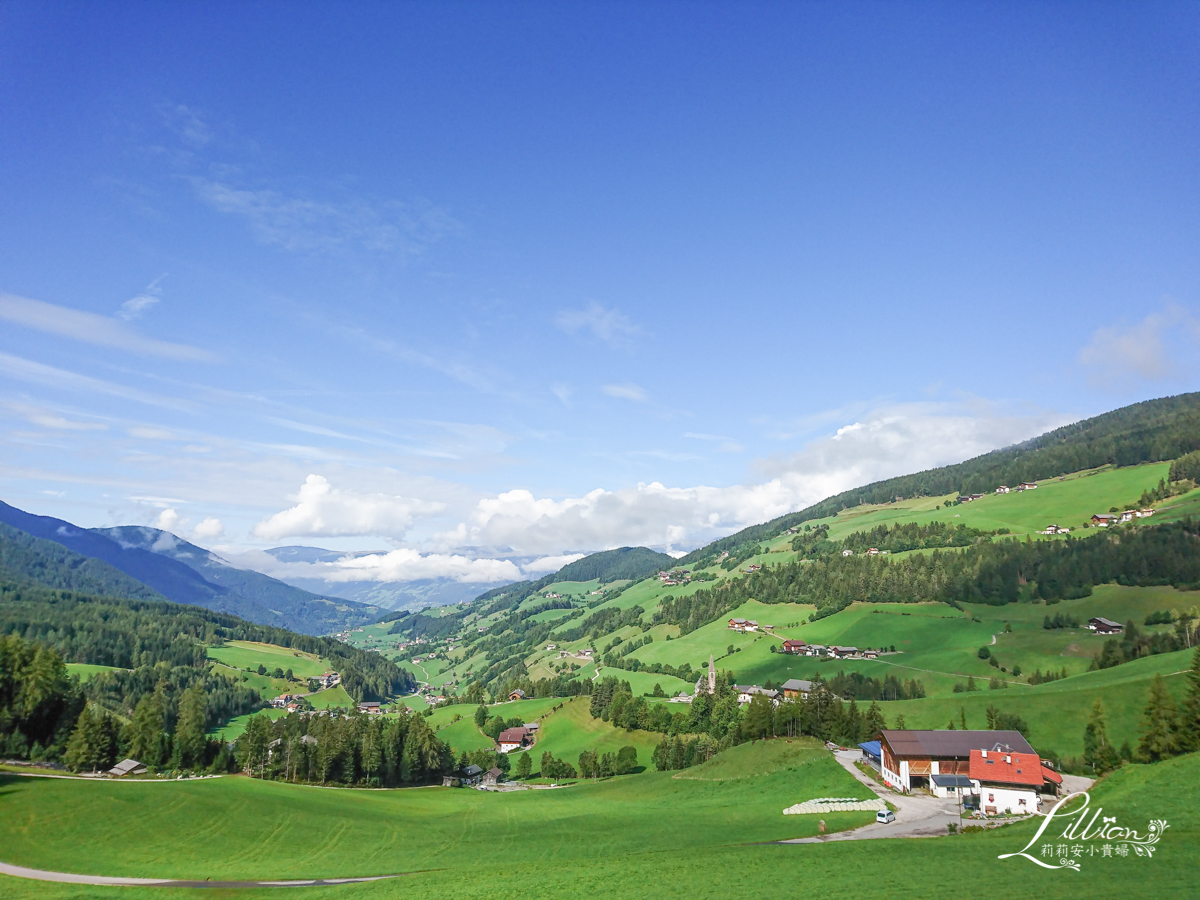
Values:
[(885, 816)]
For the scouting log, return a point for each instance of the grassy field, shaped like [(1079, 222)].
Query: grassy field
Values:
[(673, 837), (233, 729), (87, 671), (249, 654), (571, 730)]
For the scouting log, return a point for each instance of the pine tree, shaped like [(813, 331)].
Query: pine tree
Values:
[(1159, 724), (190, 743), (873, 722), (524, 765), (1097, 751), (1189, 714)]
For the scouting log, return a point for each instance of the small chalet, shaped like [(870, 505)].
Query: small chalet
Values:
[(127, 767), (847, 553), (842, 652), (1027, 486), (743, 625), (370, 706), (518, 694), (531, 727), (796, 689), (491, 777), (1010, 782), (1101, 625), (1056, 529), (747, 692), (968, 498), (471, 774), (815, 650), (870, 654), (1003, 489), (910, 758), (1103, 520), (796, 647), (1127, 516), (513, 739), (873, 551), (1144, 513)]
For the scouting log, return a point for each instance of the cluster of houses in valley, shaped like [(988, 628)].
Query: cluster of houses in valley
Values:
[(1104, 520), (836, 651), (744, 625), (675, 576), (474, 776), (995, 772)]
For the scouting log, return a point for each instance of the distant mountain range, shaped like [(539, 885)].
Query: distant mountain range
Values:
[(137, 561)]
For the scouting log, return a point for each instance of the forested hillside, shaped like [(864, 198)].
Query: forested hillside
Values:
[(1150, 431), (156, 563)]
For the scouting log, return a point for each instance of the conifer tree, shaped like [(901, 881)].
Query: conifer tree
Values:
[(1159, 724), (190, 744), (1189, 714), (1097, 750)]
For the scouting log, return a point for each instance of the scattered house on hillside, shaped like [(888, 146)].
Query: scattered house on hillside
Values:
[(1055, 529), (842, 652), (747, 692), (328, 680), (847, 553), (471, 775), (552, 646), (293, 707), (870, 654), (518, 694), (514, 739), (1127, 516), (681, 697), (127, 767), (743, 625), (795, 647), (531, 727), (281, 701), (815, 650), (796, 689), (871, 754), (1010, 782), (370, 706), (1027, 486), (1144, 513), (968, 498), (910, 758), (1003, 489), (1103, 520), (492, 777), (1101, 625), (752, 568)]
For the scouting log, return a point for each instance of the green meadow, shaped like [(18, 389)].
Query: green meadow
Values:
[(87, 671), (248, 654), (628, 837)]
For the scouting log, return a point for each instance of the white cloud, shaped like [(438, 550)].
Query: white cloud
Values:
[(393, 566), (548, 564), (625, 392), (135, 306), (562, 392), (608, 325), (92, 329), (209, 529), (888, 442), (322, 510), (168, 519), (1150, 350)]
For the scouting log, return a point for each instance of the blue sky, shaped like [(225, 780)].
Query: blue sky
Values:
[(476, 281)]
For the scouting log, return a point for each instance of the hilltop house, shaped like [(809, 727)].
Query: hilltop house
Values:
[(1101, 625), (796, 689), (743, 624), (1027, 486), (1010, 782), (1003, 489), (911, 758), (796, 647), (518, 694), (513, 739)]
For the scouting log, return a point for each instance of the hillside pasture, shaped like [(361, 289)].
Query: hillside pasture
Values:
[(250, 654), (87, 671)]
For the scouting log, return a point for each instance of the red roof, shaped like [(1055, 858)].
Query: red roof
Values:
[(1009, 768), (513, 735)]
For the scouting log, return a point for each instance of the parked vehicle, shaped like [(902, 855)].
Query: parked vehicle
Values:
[(885, 816)]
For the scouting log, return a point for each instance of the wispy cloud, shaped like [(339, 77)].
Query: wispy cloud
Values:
[(1150, 350), (92, 329), (47, 418), (625, 392), (135, 306), (608, 325), (301, 224), (50, 376)]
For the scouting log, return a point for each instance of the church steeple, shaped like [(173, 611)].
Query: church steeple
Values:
[(712, 675)]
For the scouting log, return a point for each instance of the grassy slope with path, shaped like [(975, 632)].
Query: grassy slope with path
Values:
[(679, 838), (243, 654)]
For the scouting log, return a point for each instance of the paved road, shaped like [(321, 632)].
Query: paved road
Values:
[(70, 878)]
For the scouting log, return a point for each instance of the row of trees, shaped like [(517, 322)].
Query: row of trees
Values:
[(1134, 643), (343, 748)]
